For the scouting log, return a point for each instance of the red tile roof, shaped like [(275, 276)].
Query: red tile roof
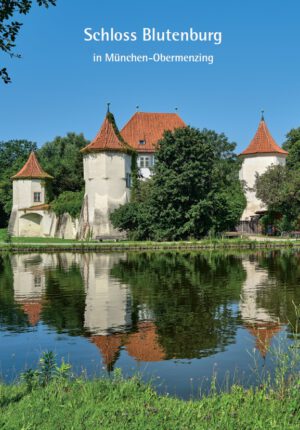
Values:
[(32, 170), (144, 345), (109, 346), (108, 138), (149, 127), (33, 311), (263, 334), (263, 142)]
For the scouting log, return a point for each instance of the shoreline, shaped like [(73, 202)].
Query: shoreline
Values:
[(205, 244)]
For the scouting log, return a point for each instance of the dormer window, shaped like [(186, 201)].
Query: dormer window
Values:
[(142, 142)]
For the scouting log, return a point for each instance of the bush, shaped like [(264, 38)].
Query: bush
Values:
[(68, 201)]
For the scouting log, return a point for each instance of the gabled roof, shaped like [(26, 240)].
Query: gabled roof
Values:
[(149, 127), (32, 170), (108, 138), (263, 142)]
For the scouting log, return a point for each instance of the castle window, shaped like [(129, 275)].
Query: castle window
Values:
[(128, 180), (142, 142), (36, 197), (144, 162)]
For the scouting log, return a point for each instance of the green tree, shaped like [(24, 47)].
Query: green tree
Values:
[(68, 201), (279, 187), (12, 316), (64, 299), (292, 145), (195, 189), (13, 155), (62, 159), (189, 296), (9, 28)]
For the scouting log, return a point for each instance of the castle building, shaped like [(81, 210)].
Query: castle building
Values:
[(30, 214), (143, 131), (261, 153), (107, 167), (107, 162), (107, 176)]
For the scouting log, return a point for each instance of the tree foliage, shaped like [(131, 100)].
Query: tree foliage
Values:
[(9, 28), (62, 159), (292, 145), (194, 189), (13, 155), (189, 296), (279, 187), (68, 201)]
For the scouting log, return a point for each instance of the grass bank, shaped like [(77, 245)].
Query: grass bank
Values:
[(129, 404), (32, 244)]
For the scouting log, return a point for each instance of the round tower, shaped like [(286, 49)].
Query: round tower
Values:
[(28, 199), (261, 153), (107, 175)]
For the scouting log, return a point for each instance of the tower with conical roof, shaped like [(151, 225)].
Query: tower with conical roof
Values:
[(107, 175), (29, 199), (261, 153)]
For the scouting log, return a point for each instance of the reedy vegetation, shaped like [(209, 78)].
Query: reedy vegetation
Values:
[(51, 398)]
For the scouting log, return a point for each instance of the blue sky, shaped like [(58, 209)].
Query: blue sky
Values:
[(57, 88)]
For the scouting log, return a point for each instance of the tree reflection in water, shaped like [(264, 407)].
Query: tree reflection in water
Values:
[(154, 305)]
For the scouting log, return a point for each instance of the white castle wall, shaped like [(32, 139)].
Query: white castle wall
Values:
[(256, 279), (23, 192), (251, 166), (107, 300), (105, 189), (29, 276)]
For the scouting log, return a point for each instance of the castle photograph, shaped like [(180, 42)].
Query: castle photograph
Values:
[(107, 167)]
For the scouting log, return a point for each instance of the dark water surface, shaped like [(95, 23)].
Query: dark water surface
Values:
[(176, 317)]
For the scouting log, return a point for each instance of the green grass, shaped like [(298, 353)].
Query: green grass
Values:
[(129, 404), (41, 243)]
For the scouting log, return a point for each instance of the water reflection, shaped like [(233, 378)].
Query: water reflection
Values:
[(152, 307), (29, 284)]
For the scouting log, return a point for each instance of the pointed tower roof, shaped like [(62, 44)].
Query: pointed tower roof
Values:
[(145, 129), (263, 334), (108, 138), (32, 170), (263, 142), (109, 346)]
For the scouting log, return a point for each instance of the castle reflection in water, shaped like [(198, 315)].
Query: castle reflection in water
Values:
[(116, 315)]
